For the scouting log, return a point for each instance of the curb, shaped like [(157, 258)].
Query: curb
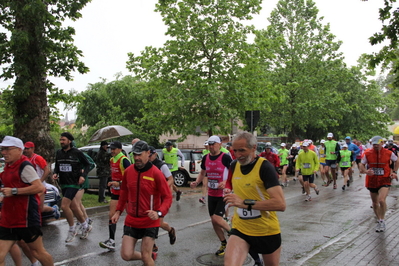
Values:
[(93, 210)]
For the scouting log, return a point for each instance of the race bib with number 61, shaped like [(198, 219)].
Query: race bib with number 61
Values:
[(245, 214)]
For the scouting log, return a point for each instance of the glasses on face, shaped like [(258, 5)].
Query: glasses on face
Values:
[(211, 143), (27, 148), (7, 148)]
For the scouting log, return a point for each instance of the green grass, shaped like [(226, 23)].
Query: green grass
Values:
[(91, 200)]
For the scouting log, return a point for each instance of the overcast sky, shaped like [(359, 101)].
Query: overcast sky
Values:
[(109, 30)]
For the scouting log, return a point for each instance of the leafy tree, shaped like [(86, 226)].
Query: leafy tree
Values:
[(204, 75), (33, 46), (115, 103), (388, 56), (306, 64)]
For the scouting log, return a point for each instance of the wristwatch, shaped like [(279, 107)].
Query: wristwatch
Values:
[(159, 214), (14, 191), (249, 202)]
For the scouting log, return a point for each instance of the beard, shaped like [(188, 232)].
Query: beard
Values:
[(247, 160), (65, 146)]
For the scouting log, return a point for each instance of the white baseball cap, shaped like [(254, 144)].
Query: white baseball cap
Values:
[(282, 144), (214, 139), (330, 135), (305, 144), (322, 141), (9, 141), (344, 145)]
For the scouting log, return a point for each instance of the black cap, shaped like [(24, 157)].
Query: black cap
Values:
[(115, 145), (152, 149), (140, 146), (168, 144), (67, 135), (103, 143)]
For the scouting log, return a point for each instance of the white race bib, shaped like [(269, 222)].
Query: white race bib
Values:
[(170, 166), (306, 165), (245, 214), (378, 171), (345, 164), (213, 183), (65, 168)]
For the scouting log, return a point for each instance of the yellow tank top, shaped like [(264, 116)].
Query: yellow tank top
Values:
[(322, 154), (250, 186)]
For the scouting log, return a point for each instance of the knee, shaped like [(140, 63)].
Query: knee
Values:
[(125, 256), (146, 257)]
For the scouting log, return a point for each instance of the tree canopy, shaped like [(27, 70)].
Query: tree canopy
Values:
[(33, 46), (197, 79)]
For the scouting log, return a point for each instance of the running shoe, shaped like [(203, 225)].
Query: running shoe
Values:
[(335, 186), (259, 263), (109, 243), (78, 227), (378, 227), (317, 191), (295, 179), (70, 237), (286, 183), (86, 231), (57, 213), (155, 248), (220, 251), (90, 221), (308, 198), (303, 191), (343, 188), (324, 184), (348, 183), (178, 194), (154, 255), (172, 236), (382, 226), (202, 200)]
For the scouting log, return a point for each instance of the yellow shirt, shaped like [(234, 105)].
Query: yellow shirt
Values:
[(251, 186)]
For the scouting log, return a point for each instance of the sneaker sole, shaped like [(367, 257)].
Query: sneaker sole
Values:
[(104, 246)]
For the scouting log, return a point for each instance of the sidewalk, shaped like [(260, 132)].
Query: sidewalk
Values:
[(360, 245)]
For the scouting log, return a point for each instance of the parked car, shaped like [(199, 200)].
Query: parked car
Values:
[(192, 166), (92, 151)]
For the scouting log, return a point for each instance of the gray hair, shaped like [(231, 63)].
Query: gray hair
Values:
[(251, 139)]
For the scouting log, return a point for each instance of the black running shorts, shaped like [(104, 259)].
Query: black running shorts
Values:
[(260, 244)]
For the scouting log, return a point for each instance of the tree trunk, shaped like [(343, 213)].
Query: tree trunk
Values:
[(31, 113)]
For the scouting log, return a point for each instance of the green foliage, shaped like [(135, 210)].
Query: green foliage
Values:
[(118, 102), (319, 93), (204, 76), (33, 46), (388, 56)]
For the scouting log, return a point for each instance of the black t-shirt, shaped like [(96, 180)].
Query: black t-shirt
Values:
[(267, 172)]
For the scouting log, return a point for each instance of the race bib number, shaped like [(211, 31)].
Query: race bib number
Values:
[(246, 215), (65, 168), (322, 155), (378, 171), (170, 166), (345, 164), (116, 188), (306, 165), (334, 165), (213, 184)]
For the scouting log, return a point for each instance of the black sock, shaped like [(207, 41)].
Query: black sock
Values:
[(224, 242), (112, 229)]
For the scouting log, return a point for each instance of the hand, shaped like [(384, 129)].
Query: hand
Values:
[(394, 176), (234, 201), (370, 171), (55, 176), (153, 215), (81, 180), (6, 191), (115, 217), (222, 185), (193, 184)]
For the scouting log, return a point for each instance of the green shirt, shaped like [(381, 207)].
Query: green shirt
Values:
[(283, 154)]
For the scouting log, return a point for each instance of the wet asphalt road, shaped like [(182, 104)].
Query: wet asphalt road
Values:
[(306, 227)]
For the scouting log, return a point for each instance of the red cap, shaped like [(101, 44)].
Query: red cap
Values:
[(29, 144)]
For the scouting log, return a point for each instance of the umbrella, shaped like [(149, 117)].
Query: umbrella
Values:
[(110, 132)]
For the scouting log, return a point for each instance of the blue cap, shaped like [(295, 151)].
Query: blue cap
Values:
[(348, 137)]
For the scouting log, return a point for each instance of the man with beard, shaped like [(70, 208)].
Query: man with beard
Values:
[(379, 176), (71, 166), (257, 196), (215, 166), (147, 197)]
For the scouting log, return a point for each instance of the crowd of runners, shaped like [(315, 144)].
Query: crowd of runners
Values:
[(142, 186)]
